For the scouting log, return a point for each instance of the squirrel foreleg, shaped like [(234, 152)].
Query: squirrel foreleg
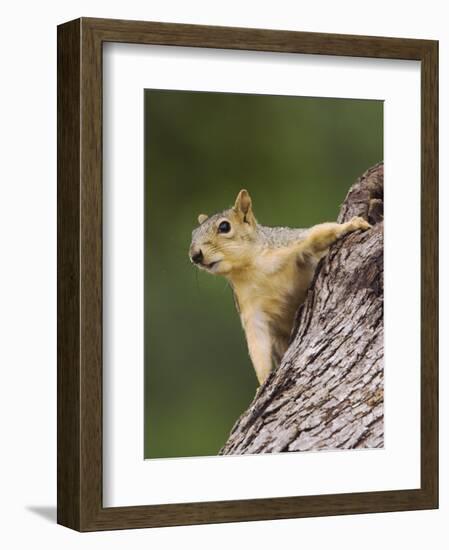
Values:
[(323, 235)]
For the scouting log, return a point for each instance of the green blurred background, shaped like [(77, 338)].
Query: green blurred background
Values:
[(297, 156)]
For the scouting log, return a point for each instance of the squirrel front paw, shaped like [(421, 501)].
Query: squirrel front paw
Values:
[(359, 223)]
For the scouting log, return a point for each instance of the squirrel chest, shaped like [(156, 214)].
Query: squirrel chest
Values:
[(267, 298)]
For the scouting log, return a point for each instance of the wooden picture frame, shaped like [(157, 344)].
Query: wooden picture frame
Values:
[(80, 503)]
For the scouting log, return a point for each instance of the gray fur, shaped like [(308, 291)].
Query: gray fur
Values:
[(277, 237)]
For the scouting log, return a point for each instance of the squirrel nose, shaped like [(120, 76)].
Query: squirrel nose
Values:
[(197, 258)]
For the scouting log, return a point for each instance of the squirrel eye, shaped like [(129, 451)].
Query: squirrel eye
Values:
[(224, 227)]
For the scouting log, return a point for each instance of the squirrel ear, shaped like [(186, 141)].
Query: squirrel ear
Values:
[(243, 202), (202, 218)]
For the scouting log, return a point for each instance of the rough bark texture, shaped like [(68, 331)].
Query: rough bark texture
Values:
[(328, 391)]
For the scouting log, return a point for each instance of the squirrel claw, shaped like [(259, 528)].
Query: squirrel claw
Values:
[(360, 223)]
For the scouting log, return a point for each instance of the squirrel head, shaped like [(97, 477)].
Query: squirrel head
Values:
[(224, 243)]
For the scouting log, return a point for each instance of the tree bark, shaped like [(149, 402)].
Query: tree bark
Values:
[(328, 391)]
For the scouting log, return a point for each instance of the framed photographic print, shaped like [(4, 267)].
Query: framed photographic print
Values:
[(247, 274)]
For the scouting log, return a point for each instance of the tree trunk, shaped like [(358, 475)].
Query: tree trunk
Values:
[(328, 391)]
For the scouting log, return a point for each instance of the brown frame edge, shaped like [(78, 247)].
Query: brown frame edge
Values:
[(80, 274)]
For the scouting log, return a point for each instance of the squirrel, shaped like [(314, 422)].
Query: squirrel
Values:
[(268, 268)]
